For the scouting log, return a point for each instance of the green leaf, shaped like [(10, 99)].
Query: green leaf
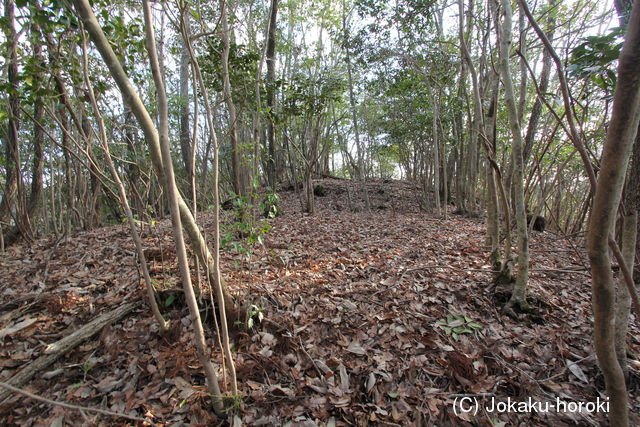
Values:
[(169, 300)]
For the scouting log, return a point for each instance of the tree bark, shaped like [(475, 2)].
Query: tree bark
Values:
[(11, 142), (620, 136), (518, 297), (236, 166), (271, 96), (185, 140), (623, 296)]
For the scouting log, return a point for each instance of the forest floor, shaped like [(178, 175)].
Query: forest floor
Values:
[(359, 318)]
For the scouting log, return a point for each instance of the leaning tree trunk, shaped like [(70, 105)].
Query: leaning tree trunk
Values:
[(153, 141), (615, 156)]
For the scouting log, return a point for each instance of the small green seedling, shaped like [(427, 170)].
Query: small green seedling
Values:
[(254, 313), (456, 324)]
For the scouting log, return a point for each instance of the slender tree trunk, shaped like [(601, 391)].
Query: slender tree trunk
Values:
[(95, 212), (133, 168), (185, 139), (236, 166), (493, 208), (11, 141), (522, 99), (436, 147), (354, 113), (472, 150), (445, 178), (518, 298), (151, 135), (536, 110), (271, 96), (623, 297), (24, 222)]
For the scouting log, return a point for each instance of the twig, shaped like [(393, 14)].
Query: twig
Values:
[(75, 407), (318, 370), (119, 249), (561, 270)]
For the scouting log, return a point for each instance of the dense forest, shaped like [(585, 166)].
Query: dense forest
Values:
[(319, 213)]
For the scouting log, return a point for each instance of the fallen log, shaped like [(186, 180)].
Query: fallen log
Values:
[(57, 349)]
